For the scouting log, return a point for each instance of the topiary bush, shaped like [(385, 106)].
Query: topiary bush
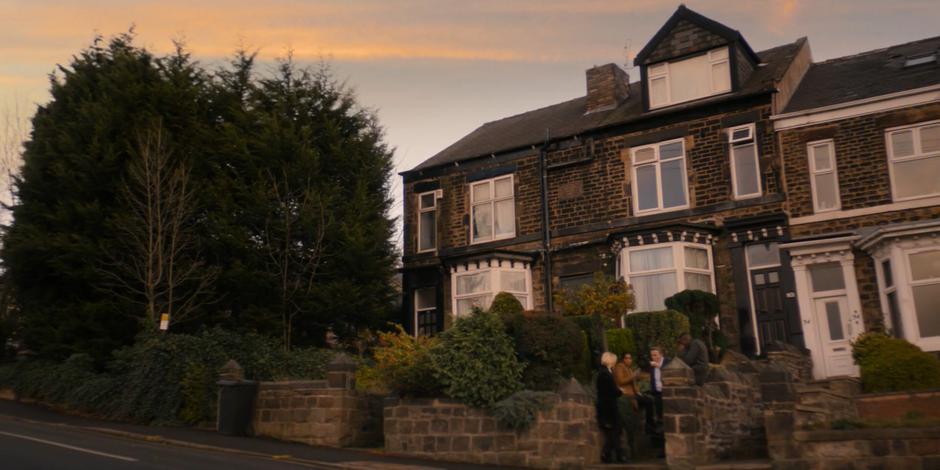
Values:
[(892, 364), (620, 341), (701, 307), (656, 329), (476, 361), (506, 305), (550, 346), (519, 410), (403, 364)]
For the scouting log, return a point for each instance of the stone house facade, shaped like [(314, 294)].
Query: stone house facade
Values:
[(861, 148), (679, 180)]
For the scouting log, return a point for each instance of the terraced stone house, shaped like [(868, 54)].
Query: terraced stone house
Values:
[(675, 181), (861, 148)]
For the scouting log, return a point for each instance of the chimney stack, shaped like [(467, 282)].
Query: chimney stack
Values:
[(607, 87)]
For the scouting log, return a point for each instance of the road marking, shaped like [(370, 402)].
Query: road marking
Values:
[(66, 446)]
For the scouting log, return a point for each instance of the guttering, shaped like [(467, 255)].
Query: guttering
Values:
[(546, 226), (848, 109), (846, 239), (917, 228)]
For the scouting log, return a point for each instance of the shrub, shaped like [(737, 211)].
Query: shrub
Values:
[(403, 363), (550, 346), (892, 364), (161, 379), (605, 299), (700, 307), (519, 410), (476, 361), (656, 329), (506, 305), (620, 341), (867, 345)]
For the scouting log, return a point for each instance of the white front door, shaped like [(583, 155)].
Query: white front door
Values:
[(835, 327)]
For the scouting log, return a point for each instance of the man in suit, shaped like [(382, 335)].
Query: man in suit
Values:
[(694, 354), (657, 362)]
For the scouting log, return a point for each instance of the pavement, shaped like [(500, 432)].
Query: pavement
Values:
[(33, 437)]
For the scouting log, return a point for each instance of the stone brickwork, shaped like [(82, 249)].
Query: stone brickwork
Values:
[(720, 420), (685, 38), (895, 405), (865, 449), (861, 162), (565, 436), (326, 412)]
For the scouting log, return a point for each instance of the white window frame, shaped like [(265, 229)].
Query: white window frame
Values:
[(492, 203), (918, 155), (417, 308), (911, 284), (735, 144), (657, 162), (884, 290), (494, 270), (661, 70), (813, 172), (437, 194), (678, 259)]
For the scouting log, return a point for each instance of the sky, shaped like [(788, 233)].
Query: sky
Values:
[(433, 70)]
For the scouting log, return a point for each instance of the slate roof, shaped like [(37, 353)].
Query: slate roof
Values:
[(704, 22), (866, 75), (568, 119)]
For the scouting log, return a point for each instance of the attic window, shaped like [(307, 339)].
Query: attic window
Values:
[(920, 60), (690, 79)]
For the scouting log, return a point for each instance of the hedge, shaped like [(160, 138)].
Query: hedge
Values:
[(550, 346), (656, 329), (166, 379), (621, 341), (892, 364)]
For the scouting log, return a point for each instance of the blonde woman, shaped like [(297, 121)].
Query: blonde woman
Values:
[(608, 418)]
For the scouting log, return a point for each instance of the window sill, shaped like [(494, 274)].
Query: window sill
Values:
[(918, 203)]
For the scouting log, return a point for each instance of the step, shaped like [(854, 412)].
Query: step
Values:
[(657, 464), (737, 465)]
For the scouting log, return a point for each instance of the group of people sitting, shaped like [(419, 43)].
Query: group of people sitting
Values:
[(619, 399)]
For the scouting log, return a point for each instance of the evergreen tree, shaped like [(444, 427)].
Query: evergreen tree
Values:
[(292, 147)]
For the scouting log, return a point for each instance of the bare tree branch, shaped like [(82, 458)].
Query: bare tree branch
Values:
[(157, 267)]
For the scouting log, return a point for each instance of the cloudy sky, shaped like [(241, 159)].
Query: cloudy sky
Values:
[(434, 69)]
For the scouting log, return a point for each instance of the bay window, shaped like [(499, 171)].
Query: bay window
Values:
[(925, 289), (656, 272), (659, 177), (689, 79), (475, 288), (492, 210), (914, 160), (824, 179), (745, 168)]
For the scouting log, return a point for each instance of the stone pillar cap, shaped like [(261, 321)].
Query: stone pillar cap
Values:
[(341, 362), (232, 371)]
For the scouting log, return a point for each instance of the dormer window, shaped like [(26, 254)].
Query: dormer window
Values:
[(689, 79)]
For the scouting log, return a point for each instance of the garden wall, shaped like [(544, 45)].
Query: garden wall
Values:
[(720, 420), (319, 412), (892, 406), (564, 436), (864, 448)]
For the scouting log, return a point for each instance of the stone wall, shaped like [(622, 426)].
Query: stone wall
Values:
[(319, 412), (565, 436), (893, 406), (865, 448), (720, 420)]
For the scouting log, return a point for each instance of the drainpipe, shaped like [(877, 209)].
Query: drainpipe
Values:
[(546, 225)]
